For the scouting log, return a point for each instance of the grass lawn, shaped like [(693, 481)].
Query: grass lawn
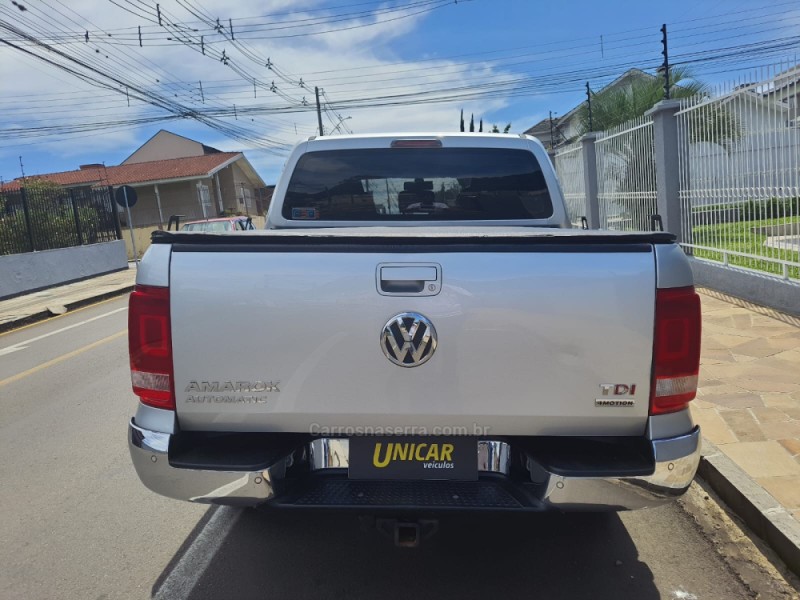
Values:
[(739, 238)]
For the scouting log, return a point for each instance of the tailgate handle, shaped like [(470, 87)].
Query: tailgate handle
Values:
[(409, 279)]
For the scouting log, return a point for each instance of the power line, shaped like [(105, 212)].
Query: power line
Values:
[(94, 76), (240, 133), (470, 86)]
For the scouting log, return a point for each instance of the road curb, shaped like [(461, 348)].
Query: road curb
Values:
[(754, 505), (46, 314)]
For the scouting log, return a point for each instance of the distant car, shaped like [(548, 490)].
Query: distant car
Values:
[(220, 224)]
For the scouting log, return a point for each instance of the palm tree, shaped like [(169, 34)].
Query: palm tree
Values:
[(615, 106)]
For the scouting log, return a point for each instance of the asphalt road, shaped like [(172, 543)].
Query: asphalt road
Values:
[(76, 522)]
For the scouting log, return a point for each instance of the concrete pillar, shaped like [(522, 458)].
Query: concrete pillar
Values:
[(590, 179), (665, 136)]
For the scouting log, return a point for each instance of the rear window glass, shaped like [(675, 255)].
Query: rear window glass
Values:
[(417, 184), (208, 226)]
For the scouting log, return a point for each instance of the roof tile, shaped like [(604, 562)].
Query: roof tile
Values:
[(158, 170)]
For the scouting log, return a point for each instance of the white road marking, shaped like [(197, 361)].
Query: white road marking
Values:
[(22, 345), (192, 565)]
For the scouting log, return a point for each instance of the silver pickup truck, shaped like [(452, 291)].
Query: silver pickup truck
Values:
[(417, 328)]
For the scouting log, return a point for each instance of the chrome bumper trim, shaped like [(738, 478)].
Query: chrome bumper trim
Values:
[(677, 460), (334, 453), (237, 488)]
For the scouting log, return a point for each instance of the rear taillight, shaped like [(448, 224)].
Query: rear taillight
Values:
[(676, 350), (150, 345)]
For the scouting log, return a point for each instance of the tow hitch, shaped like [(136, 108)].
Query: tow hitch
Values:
[(406, 533)]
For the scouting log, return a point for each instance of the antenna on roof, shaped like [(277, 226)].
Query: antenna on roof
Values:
[(22, 168)]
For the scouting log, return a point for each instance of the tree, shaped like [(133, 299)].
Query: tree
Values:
[(614, 106), (462, 119), (496, 129), (472, 123), (480, 127)]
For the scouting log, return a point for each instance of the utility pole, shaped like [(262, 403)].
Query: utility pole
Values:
[(552, 141), (589, 102), (319, 113), (666, 60)]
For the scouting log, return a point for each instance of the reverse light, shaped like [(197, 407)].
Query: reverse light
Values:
[(150, 346), (676, 350)]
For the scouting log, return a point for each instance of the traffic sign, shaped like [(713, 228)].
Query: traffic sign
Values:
[(125, 196)]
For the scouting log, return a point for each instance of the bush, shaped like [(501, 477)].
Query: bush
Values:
[(774, 208), (750, 210)]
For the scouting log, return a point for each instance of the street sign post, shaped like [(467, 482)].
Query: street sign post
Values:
[(126, 196)]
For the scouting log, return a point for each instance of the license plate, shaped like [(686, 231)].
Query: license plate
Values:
[(413, 458)]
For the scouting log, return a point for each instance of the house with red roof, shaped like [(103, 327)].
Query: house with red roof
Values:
[(173, 175)]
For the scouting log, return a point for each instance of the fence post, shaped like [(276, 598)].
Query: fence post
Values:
[(590, 180), (115, 212), (665, 139), (27, 212), (75, 214)]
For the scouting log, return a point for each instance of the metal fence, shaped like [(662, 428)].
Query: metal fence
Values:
[(740, 172), (43, 217), (569, 167), (626, 175)]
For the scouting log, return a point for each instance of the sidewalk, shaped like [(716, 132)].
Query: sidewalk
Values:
[(748, 403), (58, 300)]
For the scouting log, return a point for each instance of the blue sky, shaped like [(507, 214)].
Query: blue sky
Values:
[(502, 60)]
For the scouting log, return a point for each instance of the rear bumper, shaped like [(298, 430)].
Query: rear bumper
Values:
[(314, 474)]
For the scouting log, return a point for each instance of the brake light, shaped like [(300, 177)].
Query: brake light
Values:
[(417, 144), (676, 350), (150, 346)]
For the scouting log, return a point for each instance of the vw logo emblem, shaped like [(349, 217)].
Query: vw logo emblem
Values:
[(408, 339)]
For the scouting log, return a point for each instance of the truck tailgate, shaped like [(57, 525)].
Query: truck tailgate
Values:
[(291, 341)]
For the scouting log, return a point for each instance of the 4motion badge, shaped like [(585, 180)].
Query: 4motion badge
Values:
[(615, 395)]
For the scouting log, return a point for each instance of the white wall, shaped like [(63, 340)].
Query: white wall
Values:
[(31, 271)]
